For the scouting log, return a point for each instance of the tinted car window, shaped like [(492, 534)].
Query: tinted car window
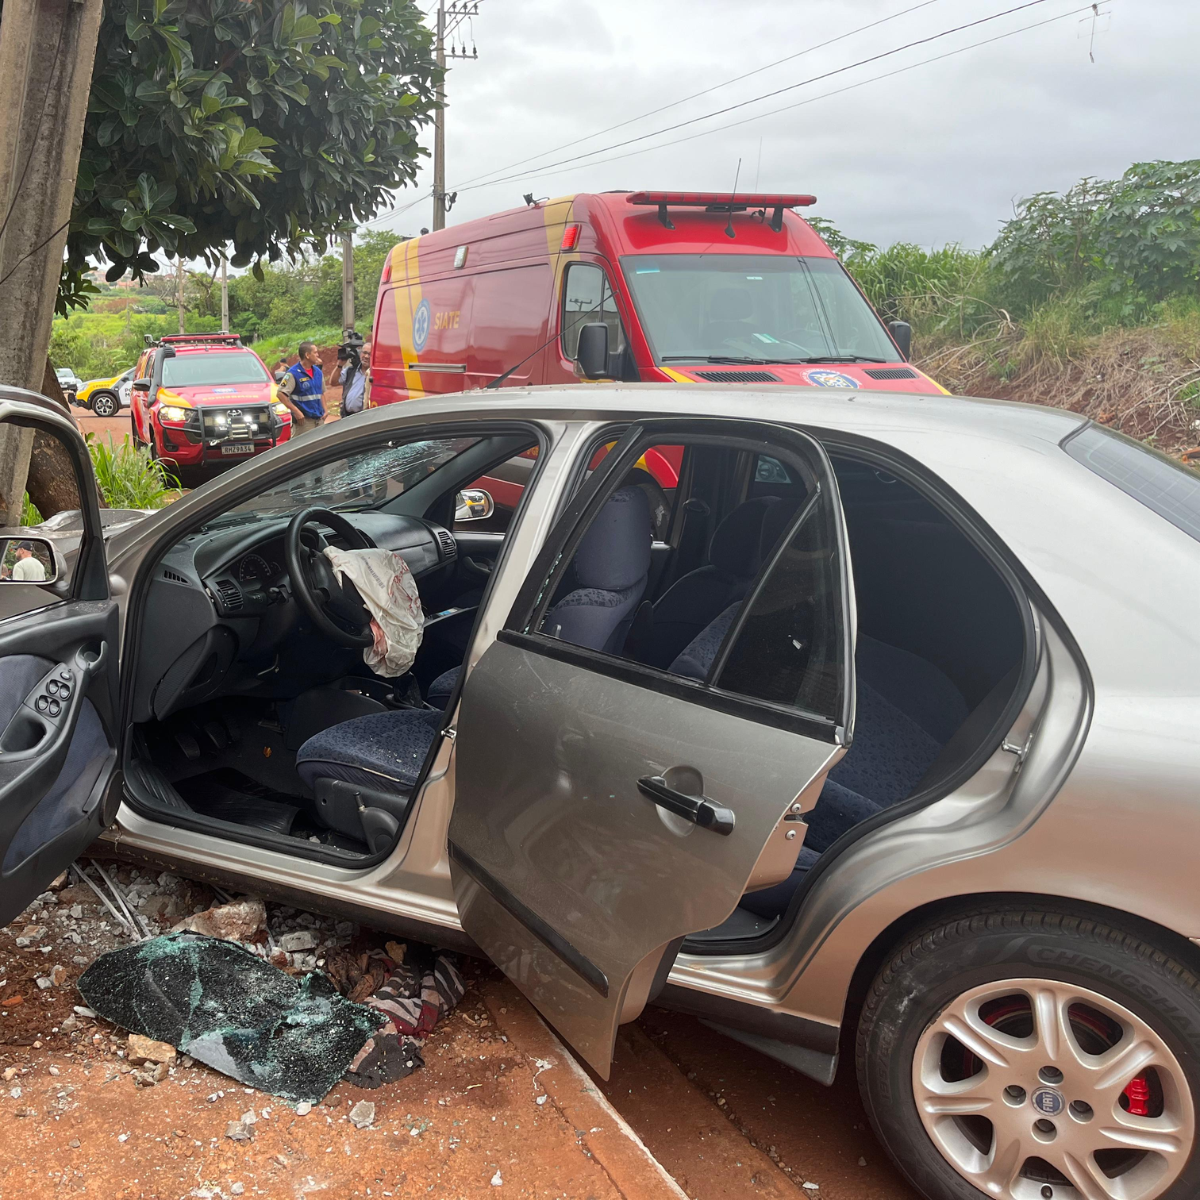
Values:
[(185, 370), (1160, 483), (790, 646)]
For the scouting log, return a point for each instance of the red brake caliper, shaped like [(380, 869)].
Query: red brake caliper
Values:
[(1138, 1095)]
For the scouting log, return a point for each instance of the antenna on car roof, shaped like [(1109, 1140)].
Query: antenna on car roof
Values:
[(729, 232)]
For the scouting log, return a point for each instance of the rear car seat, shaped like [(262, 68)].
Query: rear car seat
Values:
[(907, 710), (662, 629)]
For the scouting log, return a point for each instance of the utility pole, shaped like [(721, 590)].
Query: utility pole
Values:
[(179, 292), (439, 127), (47, 48), (460, 11), (224, 294), (347, 279)]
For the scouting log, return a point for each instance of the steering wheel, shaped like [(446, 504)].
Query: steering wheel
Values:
[(332, 606)]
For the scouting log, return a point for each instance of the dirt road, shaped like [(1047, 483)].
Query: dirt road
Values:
[(500, 1108)]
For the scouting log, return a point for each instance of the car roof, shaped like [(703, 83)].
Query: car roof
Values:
[(890, 416)]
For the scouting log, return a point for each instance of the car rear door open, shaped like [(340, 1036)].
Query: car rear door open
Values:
[(606, 809)]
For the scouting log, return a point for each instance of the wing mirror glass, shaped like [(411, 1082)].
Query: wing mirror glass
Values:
[(27, 560), (141, 385), (901, 331), (592, 355), (473, 504)]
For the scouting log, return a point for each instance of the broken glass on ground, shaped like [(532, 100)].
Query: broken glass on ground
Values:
[(290, 1037)]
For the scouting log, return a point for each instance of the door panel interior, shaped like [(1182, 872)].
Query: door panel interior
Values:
[(57, 749), (58, 676)]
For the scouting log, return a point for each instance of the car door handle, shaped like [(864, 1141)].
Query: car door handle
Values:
[(700, 810)]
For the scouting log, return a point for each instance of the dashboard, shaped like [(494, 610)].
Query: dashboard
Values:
[(221, 616)]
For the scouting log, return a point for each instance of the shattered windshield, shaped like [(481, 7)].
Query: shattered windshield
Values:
[(361, 480)]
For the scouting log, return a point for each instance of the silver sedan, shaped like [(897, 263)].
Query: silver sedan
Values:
[(845, 721)]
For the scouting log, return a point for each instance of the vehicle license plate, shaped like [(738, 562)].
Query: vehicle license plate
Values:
[(243, 448)]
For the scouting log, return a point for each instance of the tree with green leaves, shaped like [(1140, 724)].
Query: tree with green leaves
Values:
[(1138, 235), (258, 124)]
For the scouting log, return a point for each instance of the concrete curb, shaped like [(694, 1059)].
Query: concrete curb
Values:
[(602, 1132)]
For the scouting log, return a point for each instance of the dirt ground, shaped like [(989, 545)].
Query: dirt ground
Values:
[(500, 1107)]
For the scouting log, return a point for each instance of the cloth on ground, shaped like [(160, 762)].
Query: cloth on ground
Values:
[(290, 1037), (412, 1000), (389, 591)]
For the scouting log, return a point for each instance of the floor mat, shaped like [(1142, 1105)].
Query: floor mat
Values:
[(228, 795)]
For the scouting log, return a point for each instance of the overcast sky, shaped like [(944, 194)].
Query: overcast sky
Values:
[(935, 154)]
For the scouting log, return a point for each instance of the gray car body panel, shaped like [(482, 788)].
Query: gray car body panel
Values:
[(549, 811), (1104, 808)]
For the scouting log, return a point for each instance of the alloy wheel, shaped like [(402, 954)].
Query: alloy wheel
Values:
[(104, 406), (1036, 1090)]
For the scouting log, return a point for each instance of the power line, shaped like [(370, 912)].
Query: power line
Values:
[(769, 95), (841, 37), (772, 112), (474, 9), (824, 95)]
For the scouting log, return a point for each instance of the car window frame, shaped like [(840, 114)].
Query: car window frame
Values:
[(521, 626), (89, 571)]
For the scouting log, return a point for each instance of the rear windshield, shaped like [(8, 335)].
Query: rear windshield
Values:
[(232, 366), (1160, 483), (754, 307)]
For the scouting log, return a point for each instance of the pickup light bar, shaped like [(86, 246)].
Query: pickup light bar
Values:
[(724, 202)]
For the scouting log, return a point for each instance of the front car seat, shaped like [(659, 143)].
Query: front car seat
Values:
[(609, 573), (363, 771)]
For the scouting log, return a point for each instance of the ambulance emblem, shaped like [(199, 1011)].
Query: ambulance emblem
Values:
[(421, 323), (830, 379)]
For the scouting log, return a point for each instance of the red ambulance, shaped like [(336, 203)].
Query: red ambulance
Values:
[(650, 286)]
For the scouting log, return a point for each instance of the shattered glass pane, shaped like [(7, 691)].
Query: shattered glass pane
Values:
[(291, 1037), (358, 480)]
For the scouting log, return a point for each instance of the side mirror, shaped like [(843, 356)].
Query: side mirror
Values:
[(901, 331), (592, 355), (473, 504), (141, 385), (27, 560)]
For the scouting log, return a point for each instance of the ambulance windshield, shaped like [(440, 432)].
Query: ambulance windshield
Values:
[(760, 308)]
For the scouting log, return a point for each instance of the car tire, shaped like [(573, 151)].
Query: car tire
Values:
[(105, 404), (966, 1025)]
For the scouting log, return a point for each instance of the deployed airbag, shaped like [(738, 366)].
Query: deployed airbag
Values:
[(389, 591)]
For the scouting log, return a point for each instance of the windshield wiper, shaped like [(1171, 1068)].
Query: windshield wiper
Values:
[(717, 358), (839, 358)]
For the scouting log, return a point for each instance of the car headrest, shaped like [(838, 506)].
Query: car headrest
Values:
[(730, 304), (615, 552), (735, 543), (775, 521)]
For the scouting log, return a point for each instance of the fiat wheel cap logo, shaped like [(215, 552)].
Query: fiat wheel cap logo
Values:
[(421, 323), (1048, 1102)]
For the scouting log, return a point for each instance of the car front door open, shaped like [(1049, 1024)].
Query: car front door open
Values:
[(58, 669), (605, 809)]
